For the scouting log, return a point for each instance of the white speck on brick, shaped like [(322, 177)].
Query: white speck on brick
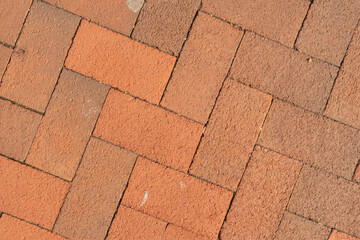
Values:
[(182, 184), (144, 199), (134, 5)]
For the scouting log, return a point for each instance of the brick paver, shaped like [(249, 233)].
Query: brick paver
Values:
[(5, 54), (173, 232), (335, 235)]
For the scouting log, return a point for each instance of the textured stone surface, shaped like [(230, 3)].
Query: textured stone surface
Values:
[(120, 62), (30, 194), (223, 154), (103, 172), (5, 53), (177, 198), (328, 29), (148, 130), (328, 199), (283, 72), (67, 125), (201, 68), (335, 235), (165, 24), (17, 130), (262, 196), (34, 69), (311, 138), (173, 232)]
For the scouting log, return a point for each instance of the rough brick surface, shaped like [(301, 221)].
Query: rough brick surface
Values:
[(328, 199), (17, 130), (131, 224), (328, 29), (5, 53), (297, 228), (177, 198), (283, 72), (201, 68), (311, 138), (356, 176), (279, 20), (344, 102), (120, 62), (262, 196), (165, 24), (13, 228), (30, 194), (67, 124), (173, 232), (103, 172), (12, 16), (148, 130), (335, 235), (222, 154)]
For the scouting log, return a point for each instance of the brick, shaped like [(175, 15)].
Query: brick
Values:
[(17, 130), (262, 196), (136, 225), (166, 24), (67, 125), (311, 138), (120, 62), (335, 235), (173, 232), (279, 20), (344, 102), (328, 29), (148, 130), (177, 198), (283, 72), (5, 54), (103, 173), (118, 15), (298, 228), (222, 154), (30, 194), (201, 68), (13, 228), (356, 176), (12, 16), (327, 199), (32, 73)]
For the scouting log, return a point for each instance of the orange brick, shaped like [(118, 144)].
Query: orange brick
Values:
[(201, 68), (279, 20), (131, 224), (32, 73), (173, 232), (12, 16), (344, 102), (104, 172), (67, 124), (262, 196), (17, 130), (335, 235), (13, 228), (4, 57), (119, 15), (177, 198), (30, 194), (222, 154), (148, 130), (120, 62)]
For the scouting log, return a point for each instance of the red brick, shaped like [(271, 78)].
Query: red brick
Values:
[(279, 20), (297, 228), (119, 15), (67, 125), (262, 196), (344, 102), (328, 29), (165, 25), (327, 199), (131, 224), (30, 194), (283, 72), (13, 228), (17, 130), (222, 154), (173, 232), (201, 68), (311, 138), (335, 235), (103, 173), (177, 198), (12, 16), (32, 73), (356, 176), (4, 57), (120, 62), (148, 130)]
